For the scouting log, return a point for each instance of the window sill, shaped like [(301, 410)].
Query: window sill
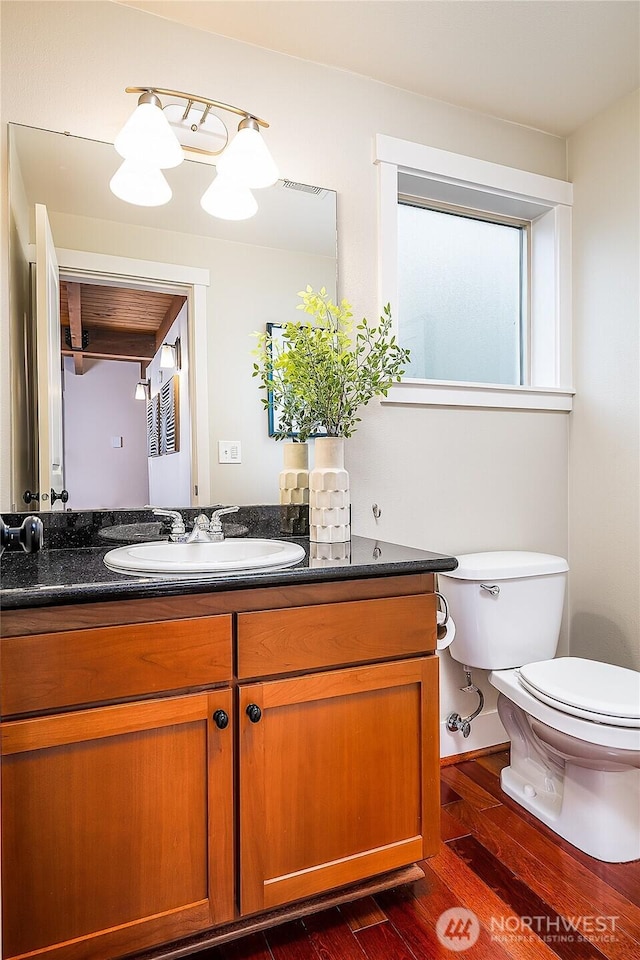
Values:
[(443, 393)]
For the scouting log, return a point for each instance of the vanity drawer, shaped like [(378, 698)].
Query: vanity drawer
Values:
[(334, 634), (54, 670)]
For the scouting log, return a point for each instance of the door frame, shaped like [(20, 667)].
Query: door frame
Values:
[(170, 278)]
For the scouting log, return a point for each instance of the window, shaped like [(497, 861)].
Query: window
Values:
[(475, 261), (462, 306)]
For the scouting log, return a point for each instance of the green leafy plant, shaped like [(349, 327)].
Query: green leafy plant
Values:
[(322, 370)]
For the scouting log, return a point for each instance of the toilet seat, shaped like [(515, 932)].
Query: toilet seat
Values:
[(600, 692), (587, 729)]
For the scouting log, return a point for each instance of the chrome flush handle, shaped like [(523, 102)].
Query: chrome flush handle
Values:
[(493, 589)]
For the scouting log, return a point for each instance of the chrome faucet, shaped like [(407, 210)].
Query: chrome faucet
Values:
[(200, 530), (209, 531), (203, 531)]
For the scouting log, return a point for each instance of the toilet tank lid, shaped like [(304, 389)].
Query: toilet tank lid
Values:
[(505, 565)]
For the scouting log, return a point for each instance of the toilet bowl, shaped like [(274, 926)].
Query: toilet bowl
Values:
[(579, 776), (573, 724)]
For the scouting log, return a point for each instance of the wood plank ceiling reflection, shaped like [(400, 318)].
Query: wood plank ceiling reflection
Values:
[(114, 323)]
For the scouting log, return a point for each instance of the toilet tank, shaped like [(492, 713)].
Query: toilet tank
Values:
[(507, 607)]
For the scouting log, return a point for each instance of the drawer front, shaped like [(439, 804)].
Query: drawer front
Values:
[(333, 634), (54, 670)]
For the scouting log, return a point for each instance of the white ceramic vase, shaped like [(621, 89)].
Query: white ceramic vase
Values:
[(294, 476), (329, 497)]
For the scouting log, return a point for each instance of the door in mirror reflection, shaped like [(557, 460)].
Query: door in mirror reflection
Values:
[(51, 476), (123, 444)]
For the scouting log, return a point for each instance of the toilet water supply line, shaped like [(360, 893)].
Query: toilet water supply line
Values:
[(454, 720)]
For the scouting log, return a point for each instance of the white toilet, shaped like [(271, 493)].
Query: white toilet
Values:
[(574, 724)]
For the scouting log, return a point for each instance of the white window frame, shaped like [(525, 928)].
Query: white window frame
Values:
[(491, 188)]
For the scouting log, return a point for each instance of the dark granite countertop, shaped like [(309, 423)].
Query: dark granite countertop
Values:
[(74, 573)]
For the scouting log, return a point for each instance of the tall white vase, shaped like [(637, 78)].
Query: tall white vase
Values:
[(329, 496), (294, 476)]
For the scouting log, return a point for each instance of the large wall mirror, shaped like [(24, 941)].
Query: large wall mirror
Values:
[(126, 280)]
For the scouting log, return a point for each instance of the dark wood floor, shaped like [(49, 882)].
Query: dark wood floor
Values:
[(496, 861)]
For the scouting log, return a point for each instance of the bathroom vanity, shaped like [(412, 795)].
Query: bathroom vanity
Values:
[(186, 761)]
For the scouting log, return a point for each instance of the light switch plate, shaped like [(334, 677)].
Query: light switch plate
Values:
[(229, 451)]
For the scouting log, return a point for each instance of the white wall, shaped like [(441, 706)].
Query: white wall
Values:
[(604, 523), (446, 480), (99, 405)]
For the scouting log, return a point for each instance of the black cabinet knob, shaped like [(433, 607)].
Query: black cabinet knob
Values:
[(221, 719), (27, 496), (63, 495), (254, 712)]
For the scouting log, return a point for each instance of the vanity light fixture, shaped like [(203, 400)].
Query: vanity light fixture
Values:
[(154, 139), (171, 355), (143, 390)]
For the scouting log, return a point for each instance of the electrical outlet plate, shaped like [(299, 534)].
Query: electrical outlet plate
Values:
[(229, 451)]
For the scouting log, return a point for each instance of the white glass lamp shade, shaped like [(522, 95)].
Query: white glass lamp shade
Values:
[(229, 200), (147, 138), (167, 356), (247, 159), (141, 391), (140, 185)]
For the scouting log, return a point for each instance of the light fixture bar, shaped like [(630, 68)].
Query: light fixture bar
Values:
[(195, 99), (149, 145)]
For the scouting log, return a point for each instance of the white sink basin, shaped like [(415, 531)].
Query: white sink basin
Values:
[(203, 559)]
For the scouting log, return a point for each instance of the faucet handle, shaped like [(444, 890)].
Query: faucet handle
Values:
[(215, 516), (215, 524), (177, 523)]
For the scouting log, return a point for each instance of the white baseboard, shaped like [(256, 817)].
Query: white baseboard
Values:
[(486, 731)]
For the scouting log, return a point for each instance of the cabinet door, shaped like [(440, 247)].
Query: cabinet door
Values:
[(117, 827), (338, 778)]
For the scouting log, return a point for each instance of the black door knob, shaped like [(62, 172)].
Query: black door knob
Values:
[(27, 496), (254, 712), (28, 536), (63, 495), (221, 719)]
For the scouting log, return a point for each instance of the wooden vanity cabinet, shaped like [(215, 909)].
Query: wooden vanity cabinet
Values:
[(134, 813)]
